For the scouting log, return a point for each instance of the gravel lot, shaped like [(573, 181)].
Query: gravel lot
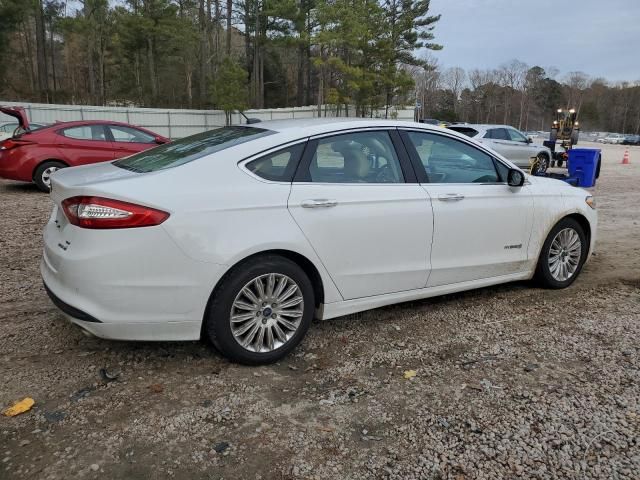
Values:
[(511, 381)]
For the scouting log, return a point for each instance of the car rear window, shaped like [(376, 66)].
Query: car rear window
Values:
[(190, 148), (468, 131)]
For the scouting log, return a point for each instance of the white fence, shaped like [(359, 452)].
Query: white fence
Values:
[(173, 123)]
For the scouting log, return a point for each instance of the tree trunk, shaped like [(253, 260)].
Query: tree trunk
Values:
[(229, 9), (152, 69), (41, 54)]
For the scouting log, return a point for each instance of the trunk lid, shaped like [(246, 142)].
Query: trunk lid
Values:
[(18, 113)]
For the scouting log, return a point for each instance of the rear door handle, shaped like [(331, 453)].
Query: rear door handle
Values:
[(451, 197), (319, 203)]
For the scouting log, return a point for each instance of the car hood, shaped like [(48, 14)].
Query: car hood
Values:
[(18, 113)]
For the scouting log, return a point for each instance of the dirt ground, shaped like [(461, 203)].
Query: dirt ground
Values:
[(511, 381)]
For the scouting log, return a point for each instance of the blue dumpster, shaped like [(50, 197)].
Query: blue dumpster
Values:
[(583, 166)]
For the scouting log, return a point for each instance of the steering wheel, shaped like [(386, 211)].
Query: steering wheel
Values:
[(385, 175)]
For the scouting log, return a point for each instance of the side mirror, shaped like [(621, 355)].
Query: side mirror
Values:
[(160, 140), (515, 178), (529, 140)]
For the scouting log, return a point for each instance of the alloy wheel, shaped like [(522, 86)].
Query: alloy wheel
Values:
[(564, 254), (267, 312)]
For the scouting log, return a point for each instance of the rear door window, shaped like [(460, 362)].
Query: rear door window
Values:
[(497, 134), (190, 148), (86, 132), (278, 166)]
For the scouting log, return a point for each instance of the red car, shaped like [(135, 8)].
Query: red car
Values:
[(32, 156)]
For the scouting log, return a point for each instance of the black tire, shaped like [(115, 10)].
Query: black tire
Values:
[(217, 321), (40, 176), (559, 163), (543, 159), (575, 135), (543, 275)]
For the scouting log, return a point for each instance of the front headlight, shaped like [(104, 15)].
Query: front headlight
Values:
[(590, 201)]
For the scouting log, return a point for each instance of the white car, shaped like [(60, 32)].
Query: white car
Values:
[(243, 234), (614, 138), (507, 141)]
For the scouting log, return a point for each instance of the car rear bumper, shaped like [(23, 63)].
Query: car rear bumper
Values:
[(126, 285)]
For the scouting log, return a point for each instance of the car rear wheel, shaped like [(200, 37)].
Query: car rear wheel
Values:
[(42, 175), (563, 254), (261, 310)]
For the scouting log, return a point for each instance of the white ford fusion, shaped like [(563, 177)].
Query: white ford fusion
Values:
[(243, 234)]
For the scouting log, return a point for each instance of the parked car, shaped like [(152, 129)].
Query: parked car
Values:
[(7, 129), (507, 141), (243, 234), (614, 138), (631, 140), (434, 121), (32, 156)]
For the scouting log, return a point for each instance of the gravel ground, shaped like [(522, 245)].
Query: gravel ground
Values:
[(511, 381)]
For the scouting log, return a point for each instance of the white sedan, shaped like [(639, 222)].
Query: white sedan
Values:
[(243, 234)]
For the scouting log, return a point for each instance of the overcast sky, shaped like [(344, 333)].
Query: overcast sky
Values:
[(598, 37)]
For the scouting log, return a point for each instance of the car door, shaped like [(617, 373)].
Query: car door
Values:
[(481, 225), (499, 140), (129, 140), (356, 200), (523, 150), (84, 144)]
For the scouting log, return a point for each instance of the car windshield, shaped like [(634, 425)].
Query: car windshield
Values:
[(190, 148)]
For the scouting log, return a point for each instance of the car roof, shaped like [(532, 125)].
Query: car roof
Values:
[(318, 126), (482, 125)]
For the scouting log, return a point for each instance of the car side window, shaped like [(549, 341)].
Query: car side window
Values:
[(447, 160), (9, 128), (277, 166), (85, 132), (360, 157), (130, 135), (516, 136)]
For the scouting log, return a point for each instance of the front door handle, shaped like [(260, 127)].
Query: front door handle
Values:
[(451, 197), (319, 203)]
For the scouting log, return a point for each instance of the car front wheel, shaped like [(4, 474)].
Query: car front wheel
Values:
[(261, 310), (563, 254)]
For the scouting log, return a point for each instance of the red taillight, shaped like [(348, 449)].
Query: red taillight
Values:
[(98, 212), (10, 143)]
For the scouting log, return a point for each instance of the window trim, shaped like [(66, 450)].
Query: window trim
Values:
[(420, 170), (303, 174), (101, 125)]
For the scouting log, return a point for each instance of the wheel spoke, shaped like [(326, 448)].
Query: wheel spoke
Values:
[(281, 284), (269, 339), (240, 305), (279, 333), (287, 324), (291, 303), (251, 296), (244, 328), (290, 291), (242, 317), (259, 287), (271, 280), (260, 339), (250, 336), (291, 313)]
